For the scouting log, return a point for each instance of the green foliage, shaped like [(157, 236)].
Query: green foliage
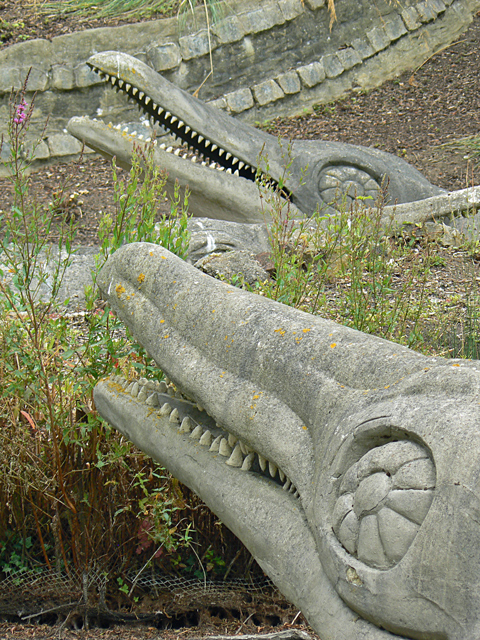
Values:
[(72, 492), (353, 253), (125, 8)]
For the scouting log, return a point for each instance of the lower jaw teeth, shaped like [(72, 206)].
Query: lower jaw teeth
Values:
[(238, 454)]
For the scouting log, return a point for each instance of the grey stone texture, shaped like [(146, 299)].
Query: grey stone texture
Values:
[(251, 46), (332, 65), (262, 19), (312, 74), (230, 29), (60, 144), (196, 45), (289, 82), (164, 57), (290, 8), (227, 266), (315, 4), (411, 18), (363, 48), (426, 11), (395, 28), (348, 58), (378, 38), (63, 78), (366, 516), (267, 91), (240, 100)]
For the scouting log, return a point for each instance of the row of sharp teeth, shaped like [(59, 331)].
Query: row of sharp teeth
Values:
[(183, 153), (186, 134), (238, 454)]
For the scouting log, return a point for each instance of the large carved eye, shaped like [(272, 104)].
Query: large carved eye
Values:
[(383, 499), (347, 181)]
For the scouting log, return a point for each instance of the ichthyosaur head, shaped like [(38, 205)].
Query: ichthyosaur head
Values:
[(348, 465), (234, 153)]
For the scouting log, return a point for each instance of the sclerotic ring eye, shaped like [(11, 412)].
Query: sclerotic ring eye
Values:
[(383, 499)]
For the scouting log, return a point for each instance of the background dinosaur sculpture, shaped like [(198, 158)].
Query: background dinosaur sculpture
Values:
[(347, 464), (318, 172)]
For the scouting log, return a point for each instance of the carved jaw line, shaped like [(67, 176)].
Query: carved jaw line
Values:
[(133, 80), (192, 422)]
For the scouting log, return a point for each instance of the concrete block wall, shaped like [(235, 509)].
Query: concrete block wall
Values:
[(270, 58)]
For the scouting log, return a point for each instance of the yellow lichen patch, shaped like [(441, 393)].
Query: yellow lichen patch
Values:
[(333, 345), (455, 365), (164, 258), (306, 330), (141, 278), (304, 427), (119, 289), (166, 336), (162, 321), (387, 386), (151, 253), (280, 331)]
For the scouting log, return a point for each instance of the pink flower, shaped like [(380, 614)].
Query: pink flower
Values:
[(20, 112)]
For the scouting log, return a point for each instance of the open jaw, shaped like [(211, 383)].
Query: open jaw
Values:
[(346, 464), (313, 174)]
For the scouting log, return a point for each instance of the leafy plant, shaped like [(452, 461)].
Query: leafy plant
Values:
[(70, 489), (353, 252)]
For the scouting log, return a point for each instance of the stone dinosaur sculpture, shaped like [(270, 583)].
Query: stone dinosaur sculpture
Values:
[(348, 465), (317, 171)]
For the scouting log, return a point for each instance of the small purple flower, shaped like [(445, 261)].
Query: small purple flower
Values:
[(21, 116)]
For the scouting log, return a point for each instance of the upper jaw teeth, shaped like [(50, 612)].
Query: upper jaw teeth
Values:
[(200, 145), (234, 452)]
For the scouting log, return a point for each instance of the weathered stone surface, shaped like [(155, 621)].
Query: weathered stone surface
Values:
[(267, 91), (395, 28), (315, 4), (240, 100), (9, 79), (289, 82), (378, 38), (85, 77), (220, 103), (332, 65), (348, 58), (196, 45), (438, 6), (411, 18), (363, 48), (291, 8), (233, 265), (61, 144), (230, 29), (165, 56), (262, 19), (426, 11), (312, 74), (63, 77), (37, 78), (42, 150), (306, 37)]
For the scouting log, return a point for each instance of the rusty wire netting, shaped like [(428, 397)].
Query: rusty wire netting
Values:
[(51, 595)]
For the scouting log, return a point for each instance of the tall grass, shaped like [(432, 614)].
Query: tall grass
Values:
[(125, 8)]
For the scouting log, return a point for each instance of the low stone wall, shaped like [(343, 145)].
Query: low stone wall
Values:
[(277, 59)]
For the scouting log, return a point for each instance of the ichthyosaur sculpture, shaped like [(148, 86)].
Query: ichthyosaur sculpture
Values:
[(232, 152), (348, 465)]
